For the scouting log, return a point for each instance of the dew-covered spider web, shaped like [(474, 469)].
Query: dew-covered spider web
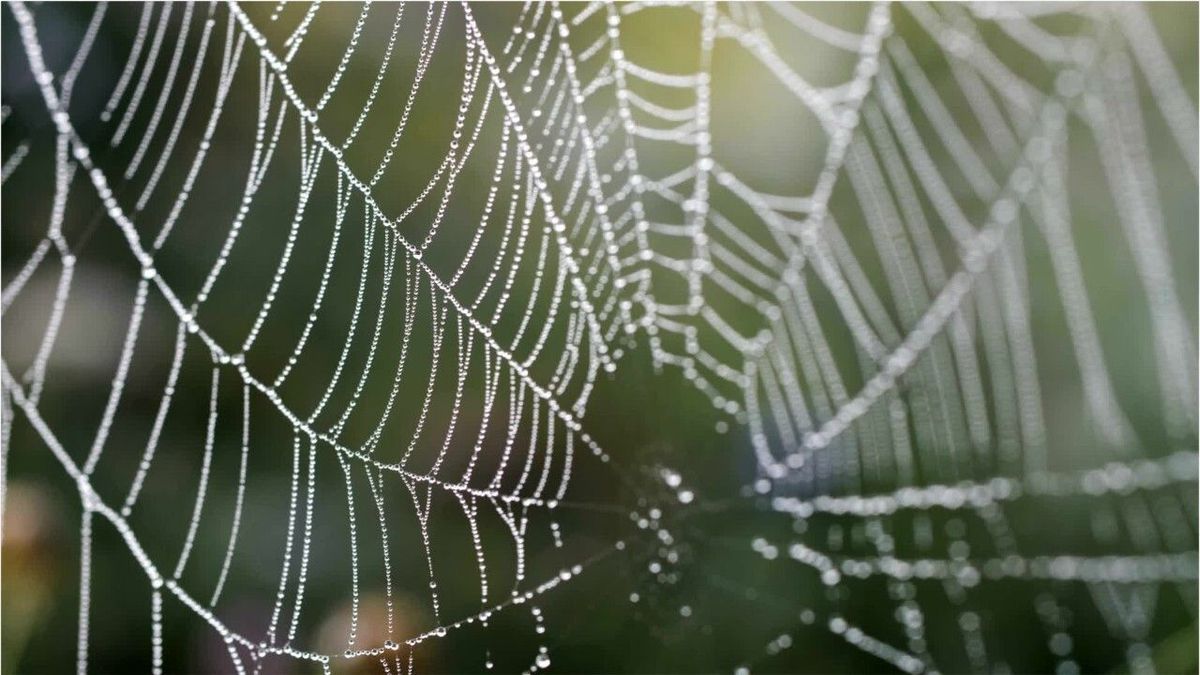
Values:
[(320, 312)]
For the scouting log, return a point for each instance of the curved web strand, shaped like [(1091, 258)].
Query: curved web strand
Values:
[(521, 351), (943, 384)]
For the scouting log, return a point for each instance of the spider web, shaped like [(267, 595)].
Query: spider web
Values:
[(872, 324), (913, 457)]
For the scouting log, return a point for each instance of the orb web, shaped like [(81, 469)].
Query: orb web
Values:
[(876, 320)]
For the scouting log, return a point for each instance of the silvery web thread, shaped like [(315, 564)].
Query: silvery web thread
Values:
[(1183, 476), (871, 343), (703, 161), (568, 447), (263, 151), (601, 172), (1109, 420), (1176, 467), (585, 51), (152, 444), (1179, 466)]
